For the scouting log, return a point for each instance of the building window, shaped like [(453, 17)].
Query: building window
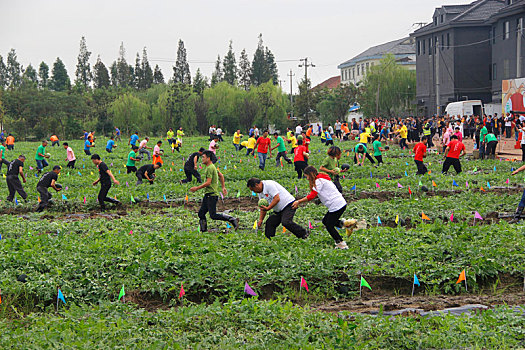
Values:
[(357, 70), (442, 42), (430, 46), (448, 40), (423, 42), (353, 73), (490, 71), (519, 25), (418, 47), (435, 21), (494, 75), (442, 18), (506, 30), (506, 68), (493, 35), (367, 67)]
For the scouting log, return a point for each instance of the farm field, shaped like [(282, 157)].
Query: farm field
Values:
[(151, 245)]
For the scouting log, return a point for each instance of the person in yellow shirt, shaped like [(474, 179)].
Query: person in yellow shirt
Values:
[(403, 132), (289, 134), (363, 137), (170, 136), (237, 140), (293, 140), (250, 145), (180, 133)]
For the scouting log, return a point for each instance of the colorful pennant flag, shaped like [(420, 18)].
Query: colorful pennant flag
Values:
[(424, 217), (239, 194), (165, 199), (60, 296), (397, 219), (409, 190), (130, 232), (248, 290), (462, 277), (406, 173), (507, 182), (304, 284), (399, 185), (477, 216), (466, 184), (482, 189), (452, 216), (182, 292), (475, 169), (454, 183), (353, 188), (364, 283), (488, 185), (434, 184), (132, 199), (377, 185), (16, 201), (416, 281), (310, 224), (379, 221), (64, 197), (255, 225), (122, 293)]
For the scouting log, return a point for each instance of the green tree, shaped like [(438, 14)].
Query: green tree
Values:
[(43, 75), (245, 71), (333, 104), (305, 101), (147, 73), (83, 72), (158, 78), (200, 82), (30, 75), (121, 71), (271, 67), (100, 75), (178, 107), (230, 66), (130, 112), (259, 74), (14, 70), (139, 75), (181, 71), (217, 75), (272, 105), (59, 79), (3, 73), (221, 101)]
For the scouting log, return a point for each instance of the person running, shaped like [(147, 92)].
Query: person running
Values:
[(281, 150), (214, 144), (211, 194), (321, 186), (180, 134), (300, 159), (250, 146), (378, 149), (170, 137), (70, 156), (190, 167), (521, 205), (87, 146), (403, 132), (281, 201), (491, 143), (41, 157), (132, 158), (54, 140), (361, 152), (10, 142), (133, 139), (16, 167), (330, 166), (293, 140), (263, 149), (2, 155), (47, 180), (454, 151), (338, 126), (117, 134), (143, 148), (147, 172), (237, 140), (157, 153), (110, 145), (176, 146), (328, 136), (105, 177), (420, 152)]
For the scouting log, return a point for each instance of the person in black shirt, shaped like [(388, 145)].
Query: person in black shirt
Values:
[(147, 171), (190, 167), (105, 177), (47, 180), (13, 182)]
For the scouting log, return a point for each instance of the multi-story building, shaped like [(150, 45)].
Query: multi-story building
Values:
[(354, 70), (454, 55)]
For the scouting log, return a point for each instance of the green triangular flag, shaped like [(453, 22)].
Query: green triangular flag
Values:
[(420, 184), (238, 194), (475, 169), (364, 283), (122, 293), (132, 199)]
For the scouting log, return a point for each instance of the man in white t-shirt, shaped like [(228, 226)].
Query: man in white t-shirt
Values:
[(256, 132), (211, 131), (143, 148), (338, 126), (280, 200), (298, 130), (219, 133)]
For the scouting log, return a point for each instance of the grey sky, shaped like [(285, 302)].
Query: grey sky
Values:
[(327, 31)]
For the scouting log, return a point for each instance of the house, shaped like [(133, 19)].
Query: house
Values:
[(330, 83), (454, 55), (354, 70)]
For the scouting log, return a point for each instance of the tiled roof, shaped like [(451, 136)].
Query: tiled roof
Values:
[(404, 46), (330, 83)]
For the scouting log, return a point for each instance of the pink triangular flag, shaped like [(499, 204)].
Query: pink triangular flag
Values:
[(452, 216), (84, 199), (507, 182), (310, 224), (67, 187), (399, 185), (466, 184), (30, 167), (304, 284), (131, 232), (377, 185), (248, 290), (477, 216)]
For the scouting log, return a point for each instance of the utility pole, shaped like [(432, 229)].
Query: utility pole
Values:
[(291, 75), (377, 98), (438, 107), (518, 48), (305, 64)]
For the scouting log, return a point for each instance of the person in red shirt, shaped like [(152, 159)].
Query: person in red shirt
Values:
[(420, 152), (263, 146), (300, 159), (454, 150), (306, 143)]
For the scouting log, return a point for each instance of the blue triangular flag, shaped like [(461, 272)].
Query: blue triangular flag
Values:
[(164, 198), (0, 236), (370, 174), (406, 163), (16, 201), (511, 169), (64, 197), (416, 281), (83, 166), (406, 173), (60, 296), (79, 174), (454, 183), (488, 184), (228, 225), (494, 168), (253, 194), (147, 196), (379, 221)]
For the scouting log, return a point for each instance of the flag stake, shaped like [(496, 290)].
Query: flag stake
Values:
[(413, 287)]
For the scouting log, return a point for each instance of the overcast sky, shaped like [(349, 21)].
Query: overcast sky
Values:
[(328, 32)]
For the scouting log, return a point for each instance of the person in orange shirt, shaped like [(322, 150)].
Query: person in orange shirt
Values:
[(10, 142), (309, 132), (54, 141)]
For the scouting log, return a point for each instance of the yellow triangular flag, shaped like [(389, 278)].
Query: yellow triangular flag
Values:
[(397, 219), (424, 217), (255, 225), (186, 198), (91, 173)]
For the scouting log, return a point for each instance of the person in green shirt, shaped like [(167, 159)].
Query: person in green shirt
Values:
[(330, 166), (360, 153), (211, 194), (2, 154), (482, 145), (41, 156), (281, 150), (132, 158), (491, 142), (378, 148)]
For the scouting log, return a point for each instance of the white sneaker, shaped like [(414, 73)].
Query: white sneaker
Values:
[(341, 245)]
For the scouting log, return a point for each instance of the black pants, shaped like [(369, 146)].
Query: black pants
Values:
[(55, 143), (403, 143), (249, 151), (14, 185), (131, 169), (284, 217), (329, 142), (523, 152), (87, 152), (10, 147), (368, 156), (299, 167), (421, 168), (3, 161), (337, 184), (451, 161), (338, 134), (283, 155), (379, 159), (508, 130), (103, 194), (71, 164), (331, 220), (491, 149), (45, 196), (209, 205), (189, 173), (140, 176)]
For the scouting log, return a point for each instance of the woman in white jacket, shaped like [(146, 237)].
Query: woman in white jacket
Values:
[(321, 185)]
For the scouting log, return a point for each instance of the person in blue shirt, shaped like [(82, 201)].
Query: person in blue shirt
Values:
[(87, 146), (85, 135), (329, 141), (133, 139), (117, 133), (110, 145)]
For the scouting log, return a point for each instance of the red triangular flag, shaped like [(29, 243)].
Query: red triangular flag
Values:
[(182, 292), (304, 284)]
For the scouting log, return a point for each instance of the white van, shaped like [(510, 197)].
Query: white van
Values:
[(465, 108)]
